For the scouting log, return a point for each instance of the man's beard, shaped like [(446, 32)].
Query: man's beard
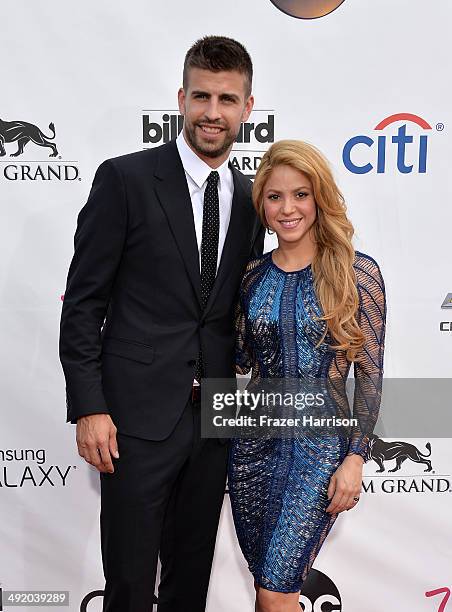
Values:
[(208, 151)]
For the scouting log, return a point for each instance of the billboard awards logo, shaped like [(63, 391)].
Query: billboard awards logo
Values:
[(407, 148), (254, 137), (28, 468), (320, 593), (385, 454), (307, 9), (14, 137)]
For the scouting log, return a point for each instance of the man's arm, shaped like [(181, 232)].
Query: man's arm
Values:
[(98, 245)]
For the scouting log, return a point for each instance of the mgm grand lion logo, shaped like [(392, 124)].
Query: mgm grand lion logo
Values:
[(22, 133), (381, 451)]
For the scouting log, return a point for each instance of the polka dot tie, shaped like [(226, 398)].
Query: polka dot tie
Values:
[(209, 247)]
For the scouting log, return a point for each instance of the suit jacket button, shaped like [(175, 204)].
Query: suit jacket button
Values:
[(191, 362)]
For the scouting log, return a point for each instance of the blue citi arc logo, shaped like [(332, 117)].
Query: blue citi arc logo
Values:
[(363, 154), (307, 9)]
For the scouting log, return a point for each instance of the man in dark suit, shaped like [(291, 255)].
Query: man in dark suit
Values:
[(160, 248)]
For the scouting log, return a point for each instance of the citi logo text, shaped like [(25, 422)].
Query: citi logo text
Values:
[(363, 154)]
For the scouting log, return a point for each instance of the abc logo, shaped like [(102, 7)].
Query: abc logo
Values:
[(307, 9), (320, 594), (90, 596)]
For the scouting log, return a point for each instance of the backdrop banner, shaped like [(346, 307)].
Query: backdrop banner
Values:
[(368, 83)]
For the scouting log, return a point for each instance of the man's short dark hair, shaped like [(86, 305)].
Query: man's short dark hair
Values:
[(217, 53)]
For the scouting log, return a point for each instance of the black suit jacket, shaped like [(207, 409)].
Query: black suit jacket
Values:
[(132, 322)]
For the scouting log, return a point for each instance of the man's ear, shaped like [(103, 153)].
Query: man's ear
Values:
[(181, 100), (248, 108)]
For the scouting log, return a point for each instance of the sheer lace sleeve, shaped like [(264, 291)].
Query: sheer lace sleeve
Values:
[(243, 359), (369, 370), (244, 354)]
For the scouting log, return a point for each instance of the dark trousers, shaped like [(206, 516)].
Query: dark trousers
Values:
[(164, 498)]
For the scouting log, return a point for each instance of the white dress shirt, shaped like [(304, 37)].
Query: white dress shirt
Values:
[(196, 172)]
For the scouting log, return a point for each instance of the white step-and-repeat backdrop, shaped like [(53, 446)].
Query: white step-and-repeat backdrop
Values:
[(369, 84)]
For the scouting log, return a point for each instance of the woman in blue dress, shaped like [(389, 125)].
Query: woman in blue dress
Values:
[(307, 310)]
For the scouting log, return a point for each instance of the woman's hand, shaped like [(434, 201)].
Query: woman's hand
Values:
[(345, 484)]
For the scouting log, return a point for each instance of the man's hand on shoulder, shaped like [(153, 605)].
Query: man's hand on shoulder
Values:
[(96, 441)]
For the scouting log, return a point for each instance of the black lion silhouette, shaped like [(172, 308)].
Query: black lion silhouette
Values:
[(23, 132), (381, 451)]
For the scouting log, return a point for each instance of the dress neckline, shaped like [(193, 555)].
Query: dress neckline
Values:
[(304, 270)]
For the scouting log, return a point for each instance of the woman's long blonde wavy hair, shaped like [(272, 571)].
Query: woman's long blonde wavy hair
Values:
[(332, 267)]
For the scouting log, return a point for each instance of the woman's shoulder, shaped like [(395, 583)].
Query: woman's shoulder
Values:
[(254, 269), (258, 263)]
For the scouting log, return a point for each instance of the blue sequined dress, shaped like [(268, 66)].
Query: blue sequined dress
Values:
[(278, 486)]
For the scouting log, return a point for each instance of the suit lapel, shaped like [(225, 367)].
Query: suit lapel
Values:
[(172, 192)]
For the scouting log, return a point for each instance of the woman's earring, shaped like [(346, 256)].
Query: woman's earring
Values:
[(269, 231)]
